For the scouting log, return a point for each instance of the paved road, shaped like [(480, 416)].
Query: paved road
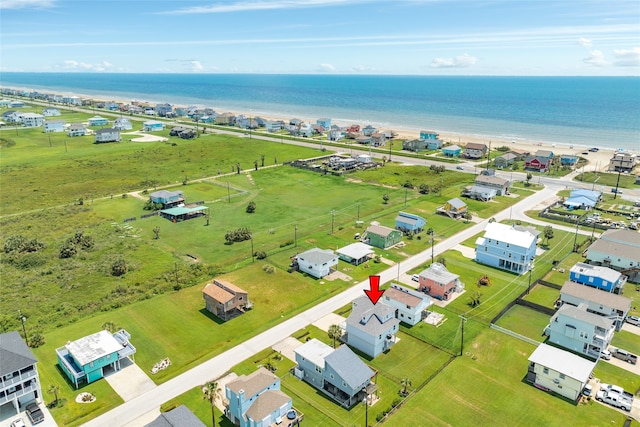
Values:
[(127, 413)]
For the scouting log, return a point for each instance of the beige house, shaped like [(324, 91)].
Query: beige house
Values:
[(623, 162), (225, 300)]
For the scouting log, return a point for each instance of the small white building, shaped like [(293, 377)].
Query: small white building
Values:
[(317, 262), (410, 305), (554, 369)]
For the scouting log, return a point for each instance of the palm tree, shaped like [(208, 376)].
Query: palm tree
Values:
[(405, 383), (211, 392), (54, 389), (109, 326), (335, 332)]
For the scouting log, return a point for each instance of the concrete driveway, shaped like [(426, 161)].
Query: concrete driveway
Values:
[(130, 381), (286, 347)]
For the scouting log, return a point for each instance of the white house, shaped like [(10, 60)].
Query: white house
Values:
[(76, 129), (122, 123), (19, 381), (107, 135), (31, 119), (617, 249), (152, 126), (575, 329), (48, 112), (506, 247), (410, 305), (554, 369), (606, 304), (54, 126), (317, 262), (371, 328)]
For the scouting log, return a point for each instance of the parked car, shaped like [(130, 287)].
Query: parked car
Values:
[(459, 168), (624, 355), (415, 278), (633, 320), (616, 190), (613, 399), (594, 149), (588, 389), (34, 413), (18, 423), (612, 388), (605, 354)]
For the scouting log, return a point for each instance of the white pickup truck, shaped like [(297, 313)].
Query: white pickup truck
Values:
[(614, 399)]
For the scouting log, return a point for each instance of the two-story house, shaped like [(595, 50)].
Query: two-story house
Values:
[(410, 223), (54, 126), (86, 359), (98, 121), (107, 135), (152, 126), (598, 276), (540, 161), (256, 400), (554, 369), (623, 162), (506, 247), (411, 306), (371, 328), (617, 249), (317, 262), (31, 120), (225, 300), (501, 185), (606, 304), (19, 381), (122, 123), (76, 129), (438, 282), (475, 150), (167, 198), (339, 373), (453, 208), (382, 237), (575, 329)]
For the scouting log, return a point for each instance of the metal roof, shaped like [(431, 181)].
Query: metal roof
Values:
[(588, 293), (356, 250), (92, 347), (318, 256), (351, 369), (183, 210), (599, 271), (508, 234), (314, 351), (562, 361)]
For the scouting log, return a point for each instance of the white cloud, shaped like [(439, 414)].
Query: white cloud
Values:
[(362, 69), (196, 66), (596, 58), (26, 4), (242, 6), (584, 42), (627, 57), (460, 61), (326, 68), (71, 64)]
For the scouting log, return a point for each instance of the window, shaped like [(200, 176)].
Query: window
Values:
[(562, 376), (485, 249), (545, 370), (590, 279), (331, 375)]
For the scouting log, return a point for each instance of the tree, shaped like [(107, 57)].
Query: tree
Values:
[(262, 160), (548, 233), (405, 383), (251, 207), (474, 299), (109, 326), (156, 232), (467, 216), (385, 199), (442, 260), (255, 164), (54, 389), (335, 332), (119, 267), (211, 392), (424, 189), (68, 249), (529, 176)]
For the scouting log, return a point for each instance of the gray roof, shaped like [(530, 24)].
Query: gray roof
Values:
[(266, 403), (457, 203), (177, 417), (438, 273), (351, 369), (380, 230), (588, 293), (625, 237), (92, 347), (363, 308), (562, 361), (614, 250), (581, 313), (356, 250), (165, 193), (107, 130), (494, 180), (252, 384), (318, 256), (14, 353)]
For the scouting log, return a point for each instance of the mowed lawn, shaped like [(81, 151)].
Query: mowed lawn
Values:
[(486, 387)]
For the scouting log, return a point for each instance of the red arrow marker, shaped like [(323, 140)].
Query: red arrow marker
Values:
[(374, 293)]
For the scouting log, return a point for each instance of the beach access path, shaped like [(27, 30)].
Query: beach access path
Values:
[(137, 411)]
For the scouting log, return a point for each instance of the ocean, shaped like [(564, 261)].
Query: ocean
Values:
[(582, 111)]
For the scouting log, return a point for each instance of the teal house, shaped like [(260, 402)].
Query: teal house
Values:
[(452, 151), (429, 135), (87, 359), (382, 237), (167, 198)]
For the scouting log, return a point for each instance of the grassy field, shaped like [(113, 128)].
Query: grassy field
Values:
[(607, 179), (525, 321), (486, 387)]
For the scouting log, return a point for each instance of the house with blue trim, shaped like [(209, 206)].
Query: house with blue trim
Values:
[(619, 250), (338, 373), (598, 276), (606, 304), (324, 122), (429, 135), (98, 121), (582, 199), (410, 223), (568, 159), (452, 151), (85, 360), (317, 262), (167, 198), (152, 126), (256, 400), (54, 126), (505, 247), (371, 328), (411, 306)]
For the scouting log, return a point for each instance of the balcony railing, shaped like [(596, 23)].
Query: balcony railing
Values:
[(18, 393), (17, 379)]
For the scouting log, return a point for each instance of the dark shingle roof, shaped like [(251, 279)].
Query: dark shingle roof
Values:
[(14, 353), (178, 417)]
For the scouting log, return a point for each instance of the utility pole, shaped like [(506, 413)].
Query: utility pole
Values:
[(333, 217), (24, 330), (295, 236), (617, 184), (464, 319), (228, 192), (252, 253), (406, 190)]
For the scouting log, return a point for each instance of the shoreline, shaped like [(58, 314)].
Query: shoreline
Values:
[(596, 160)]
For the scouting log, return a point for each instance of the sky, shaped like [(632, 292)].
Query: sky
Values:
[(414, 37)]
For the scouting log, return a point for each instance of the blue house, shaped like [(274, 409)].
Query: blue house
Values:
[(338, 373), (324, 122), (152, 126), (167, 198), (429, 135), (410, 223), (506, 247), (54, 126), (452, 151), (598, 276), (582, 199), (371, 328), (98, 121), (256, 400), (568, 160), (86, 359)]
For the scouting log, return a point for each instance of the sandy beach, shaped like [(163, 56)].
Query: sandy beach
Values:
[(596, 160)]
